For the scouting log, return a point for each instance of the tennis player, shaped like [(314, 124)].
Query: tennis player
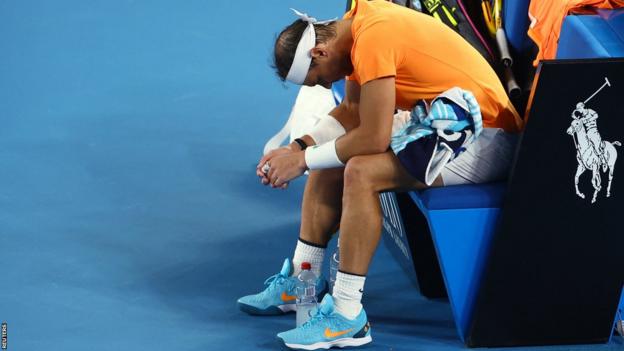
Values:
[(392, 57)]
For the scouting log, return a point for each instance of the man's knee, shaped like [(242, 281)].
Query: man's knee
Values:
[(357, 173), (331, 175)]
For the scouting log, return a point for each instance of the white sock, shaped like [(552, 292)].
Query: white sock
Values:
[(347, 294), (308, 253)]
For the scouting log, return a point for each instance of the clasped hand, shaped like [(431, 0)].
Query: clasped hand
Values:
[(280, 166)]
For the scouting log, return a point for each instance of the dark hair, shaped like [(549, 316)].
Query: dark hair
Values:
[(287, 41)]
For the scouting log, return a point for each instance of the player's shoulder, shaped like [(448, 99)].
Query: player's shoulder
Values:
[(376, 29)]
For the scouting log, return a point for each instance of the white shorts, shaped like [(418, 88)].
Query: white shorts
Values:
[(486, 160)]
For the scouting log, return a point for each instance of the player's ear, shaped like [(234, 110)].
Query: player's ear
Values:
[(318, 51)]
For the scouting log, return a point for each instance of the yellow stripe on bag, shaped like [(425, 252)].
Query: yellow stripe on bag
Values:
[(449, 15)]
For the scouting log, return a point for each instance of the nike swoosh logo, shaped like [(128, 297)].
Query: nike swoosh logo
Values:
[(330, 334), (287, 298)]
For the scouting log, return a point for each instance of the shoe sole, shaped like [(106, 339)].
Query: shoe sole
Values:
[(345, 342), (269, 311)]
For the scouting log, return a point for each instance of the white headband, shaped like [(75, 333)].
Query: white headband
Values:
[(301, 63)]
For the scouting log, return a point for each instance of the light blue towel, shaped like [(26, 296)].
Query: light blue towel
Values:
[(436, 134), (454, 110)]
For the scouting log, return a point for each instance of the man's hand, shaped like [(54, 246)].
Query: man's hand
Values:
[(266, 158), (262, 165), (285, 168)]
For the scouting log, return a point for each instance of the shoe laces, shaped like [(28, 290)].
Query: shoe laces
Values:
[(318, 317), (277, 279)]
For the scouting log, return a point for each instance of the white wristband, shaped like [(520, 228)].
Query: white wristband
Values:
[(322, 156), (328, 128)]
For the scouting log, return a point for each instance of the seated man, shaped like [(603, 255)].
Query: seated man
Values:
[(393, 58)]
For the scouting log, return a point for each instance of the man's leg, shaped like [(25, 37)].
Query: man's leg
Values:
[(596, 141), (322, 201), (360, 226), (341, 321), (365, 178), (319, 219), (322, 204), (320, 215)]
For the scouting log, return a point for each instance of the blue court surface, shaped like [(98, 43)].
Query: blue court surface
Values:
[(130, 214)]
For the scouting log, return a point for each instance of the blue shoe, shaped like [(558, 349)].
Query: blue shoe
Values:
[(280, 294), (328, 329)]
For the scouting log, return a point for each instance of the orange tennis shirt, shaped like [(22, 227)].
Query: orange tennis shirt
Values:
[(426, 58)]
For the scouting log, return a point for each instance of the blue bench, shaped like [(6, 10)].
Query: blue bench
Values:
[(462, 220)]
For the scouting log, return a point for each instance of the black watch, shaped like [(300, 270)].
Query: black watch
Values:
[(301, 143)]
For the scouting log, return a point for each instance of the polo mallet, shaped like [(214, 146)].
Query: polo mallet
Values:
[(606, 83)]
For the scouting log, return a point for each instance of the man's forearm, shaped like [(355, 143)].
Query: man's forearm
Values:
[(346, 117), (368, 122), (357, 141), (376, 110), (337, 152), (361, 142)]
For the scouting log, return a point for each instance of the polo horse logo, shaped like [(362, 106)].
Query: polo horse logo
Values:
[(592, 153)]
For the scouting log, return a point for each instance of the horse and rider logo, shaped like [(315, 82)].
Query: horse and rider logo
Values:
[(592, 153)]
